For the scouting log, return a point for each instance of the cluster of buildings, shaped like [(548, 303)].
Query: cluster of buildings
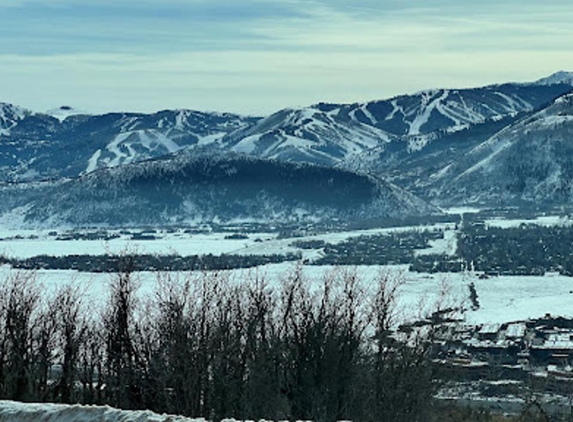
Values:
[(521, 350)]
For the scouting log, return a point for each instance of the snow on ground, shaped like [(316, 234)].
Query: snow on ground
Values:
[(168, 244), (547, 221), (513, 298), (28, 243), (461, 210), (247, 145), (11, 411), (92, 162), (426, 110), (114, 148), (446, 246), (210, 139), (502, 299)]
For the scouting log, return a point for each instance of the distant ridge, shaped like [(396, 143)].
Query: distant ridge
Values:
[(561, 77), (66, 142)]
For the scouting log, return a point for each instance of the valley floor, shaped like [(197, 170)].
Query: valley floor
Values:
[(501, 299)]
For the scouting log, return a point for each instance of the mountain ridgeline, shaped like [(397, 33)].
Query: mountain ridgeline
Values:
[(493, 145), (36, 146)]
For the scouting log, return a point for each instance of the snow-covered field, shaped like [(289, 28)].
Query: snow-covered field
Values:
[(28, 243), (11, 411), (502, 299), (446, 246), (547, 221), (25, 244), (167, 243)]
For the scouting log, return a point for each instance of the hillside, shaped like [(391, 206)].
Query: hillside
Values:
[(189, 187), (530, 160)]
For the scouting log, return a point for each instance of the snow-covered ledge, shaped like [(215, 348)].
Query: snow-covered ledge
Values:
[(25, 412)]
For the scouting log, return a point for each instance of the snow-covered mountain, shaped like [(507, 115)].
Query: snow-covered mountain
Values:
[(10, 116), (67, 142), (530, 160), (35, 146), (561, 77), (412, 168), (189, 187), (334, 134), (306, 135), (444, 109)]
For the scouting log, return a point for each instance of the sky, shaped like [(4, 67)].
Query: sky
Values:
[(258, 56)]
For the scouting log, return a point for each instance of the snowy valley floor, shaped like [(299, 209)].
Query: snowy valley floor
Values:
[(501, 299)]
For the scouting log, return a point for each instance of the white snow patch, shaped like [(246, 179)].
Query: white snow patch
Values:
[(446, 246), (497, 145), (122, 147), (417, 143), (128, 123), (502, 299), (114, 148), (426, 110), (153, 136), (247, 145), (92, 162), (293, 141), (553, 121), (546, 221), (210, 139), (181, 119), (14, 218), (561, 77), (461, 210), (370, 116), (180, 243), (505, 299), (441, 173), (511, 105), (9, 117), (44, 412), (396, 109)]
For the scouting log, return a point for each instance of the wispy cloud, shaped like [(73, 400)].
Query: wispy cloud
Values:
[(258, 55)]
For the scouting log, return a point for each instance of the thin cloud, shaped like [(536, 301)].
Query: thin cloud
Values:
[(257, 56)]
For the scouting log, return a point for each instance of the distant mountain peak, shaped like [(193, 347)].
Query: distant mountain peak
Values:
[(561, 77), (10, 115), (14, 110)]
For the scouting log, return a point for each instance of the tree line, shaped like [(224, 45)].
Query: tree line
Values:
[(206, 345), (113, 263)]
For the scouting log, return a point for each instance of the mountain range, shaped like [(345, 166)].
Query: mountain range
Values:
[(490, 145)]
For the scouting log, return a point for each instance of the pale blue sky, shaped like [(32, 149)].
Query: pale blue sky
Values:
[(256, 56)]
